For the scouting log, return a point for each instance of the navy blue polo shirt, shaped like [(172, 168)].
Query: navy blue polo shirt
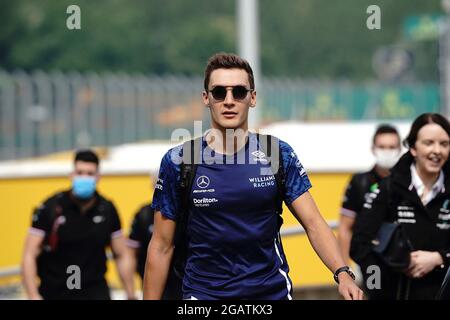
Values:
[(234, 249)]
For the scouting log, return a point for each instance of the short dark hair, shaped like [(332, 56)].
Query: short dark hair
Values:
[(224, 60), (385, 128), (86, 155), (423, 120)]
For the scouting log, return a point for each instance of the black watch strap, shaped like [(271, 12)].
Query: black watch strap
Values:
[(343, 269)]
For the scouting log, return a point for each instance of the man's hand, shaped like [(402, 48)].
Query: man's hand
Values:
[(324, 242), (422, 263), (348, 289)]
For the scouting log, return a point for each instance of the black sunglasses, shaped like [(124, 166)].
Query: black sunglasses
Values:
[(219, 93)]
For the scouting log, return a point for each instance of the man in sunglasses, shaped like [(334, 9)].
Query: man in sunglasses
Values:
[(234, 247)]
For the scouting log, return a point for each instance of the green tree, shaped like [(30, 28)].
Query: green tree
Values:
[(300, 38)]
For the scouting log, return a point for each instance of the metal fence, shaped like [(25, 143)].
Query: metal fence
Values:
[(345, 101), (44, 112)]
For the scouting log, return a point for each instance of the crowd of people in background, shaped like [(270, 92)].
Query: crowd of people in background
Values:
[(401, 196), (403, 203), (75, 226)]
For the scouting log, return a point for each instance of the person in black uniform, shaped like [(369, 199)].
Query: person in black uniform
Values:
[(386, 148), (417, 196), (65, 246), (140, 235)]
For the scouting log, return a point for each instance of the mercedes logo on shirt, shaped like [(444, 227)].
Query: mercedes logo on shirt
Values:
[(98, 219), (203, 182)]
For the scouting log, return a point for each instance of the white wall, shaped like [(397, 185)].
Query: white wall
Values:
[(321, 147), (332, 146)]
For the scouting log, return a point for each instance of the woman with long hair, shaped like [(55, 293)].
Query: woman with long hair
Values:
[(416, 196)]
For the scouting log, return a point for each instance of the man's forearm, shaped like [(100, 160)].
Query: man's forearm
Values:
[(29, 274), (325, 244), (156, 272), (344, 239), (126, 273)]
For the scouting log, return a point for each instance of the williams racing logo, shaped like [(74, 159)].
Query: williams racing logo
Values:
[(262, 181)]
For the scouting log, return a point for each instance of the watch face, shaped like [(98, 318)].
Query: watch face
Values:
[(344, 269), (351, 273)]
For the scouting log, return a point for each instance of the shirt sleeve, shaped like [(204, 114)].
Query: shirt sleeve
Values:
[(135, 237), (41, 220), (351, 202), (296, 179), (166, 194), (116, 230)]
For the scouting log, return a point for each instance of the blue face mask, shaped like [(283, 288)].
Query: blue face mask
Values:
[(83, 187)]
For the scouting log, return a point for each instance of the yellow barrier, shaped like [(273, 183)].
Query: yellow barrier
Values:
[(18, 197)]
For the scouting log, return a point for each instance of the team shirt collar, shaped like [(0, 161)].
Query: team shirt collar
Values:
[(417, 183)]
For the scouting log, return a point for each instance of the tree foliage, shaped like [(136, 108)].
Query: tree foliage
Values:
[(299, 38)]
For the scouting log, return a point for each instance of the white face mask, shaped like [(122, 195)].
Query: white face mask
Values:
[(386, 159)]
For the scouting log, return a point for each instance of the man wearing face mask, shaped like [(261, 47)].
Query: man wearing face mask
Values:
[(65, 246), (386, 149)]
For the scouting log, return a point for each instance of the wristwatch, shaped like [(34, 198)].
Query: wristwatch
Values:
[(343, 269)]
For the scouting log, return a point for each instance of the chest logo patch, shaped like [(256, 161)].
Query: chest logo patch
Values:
[(406, 214), (60, 220), (444, 208), (259, 156), (98, 219), (202, 182), (262, 181)]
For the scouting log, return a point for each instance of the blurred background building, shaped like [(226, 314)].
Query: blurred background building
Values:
[(133, 74)]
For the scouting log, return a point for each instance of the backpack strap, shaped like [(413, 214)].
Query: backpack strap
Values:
[(267, 143), (188, 170)]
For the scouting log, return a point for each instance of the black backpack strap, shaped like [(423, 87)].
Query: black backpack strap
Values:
[(267, 143), (188, 170)]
